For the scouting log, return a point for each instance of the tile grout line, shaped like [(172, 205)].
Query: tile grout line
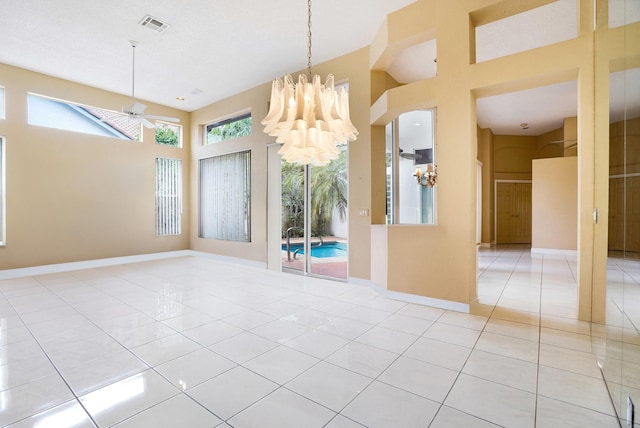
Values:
[(55, 367), (535, 414), (475, 344), (128, 349)]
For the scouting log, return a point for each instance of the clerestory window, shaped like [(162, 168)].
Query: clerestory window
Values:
[(235, 127)]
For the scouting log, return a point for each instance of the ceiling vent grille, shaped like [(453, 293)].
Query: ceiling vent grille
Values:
[(154, 24)]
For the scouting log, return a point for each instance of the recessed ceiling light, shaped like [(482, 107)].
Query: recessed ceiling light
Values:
[(180, 98), (524, 125)]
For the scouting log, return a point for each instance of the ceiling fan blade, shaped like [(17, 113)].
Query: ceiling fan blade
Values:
[(145, 122), (163, 118), (410, 156)]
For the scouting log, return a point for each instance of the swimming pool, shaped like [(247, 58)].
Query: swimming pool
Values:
[(328, 249)]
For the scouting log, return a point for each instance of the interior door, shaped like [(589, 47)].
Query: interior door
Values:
[(504, 196), (513, 213), (616, 214), (633, 214), (522, 213)]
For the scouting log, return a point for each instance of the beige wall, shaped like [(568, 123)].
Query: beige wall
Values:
[(254, 101), (352, 68), (554, 196), (547, 146), (512, 156), (570, 134), (459, 81), (73, 196), (485, 155)]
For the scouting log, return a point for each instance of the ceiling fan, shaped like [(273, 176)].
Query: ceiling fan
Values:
[(136, 110), (411, 156)]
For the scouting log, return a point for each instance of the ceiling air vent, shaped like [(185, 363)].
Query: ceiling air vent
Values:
[(154, 24)]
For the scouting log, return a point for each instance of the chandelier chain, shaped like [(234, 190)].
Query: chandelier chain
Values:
[(309, 38)]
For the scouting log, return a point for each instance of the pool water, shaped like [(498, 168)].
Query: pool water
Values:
[(328, 249)]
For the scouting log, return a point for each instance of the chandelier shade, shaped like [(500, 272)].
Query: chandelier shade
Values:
[(309, 119)]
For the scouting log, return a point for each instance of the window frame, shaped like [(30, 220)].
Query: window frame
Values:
[(219, 123), (205, 230), (392, 177), (160, 123), (83, 110), (177, 188)]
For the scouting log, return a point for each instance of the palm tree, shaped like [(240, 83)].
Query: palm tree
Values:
[(329, 194)]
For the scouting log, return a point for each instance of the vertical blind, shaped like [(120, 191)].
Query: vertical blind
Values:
[(168, 196), (225, 197)]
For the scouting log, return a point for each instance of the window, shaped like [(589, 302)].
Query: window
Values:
[(168, 196), (1, 102), (410, 143), (225, 197), (2, 192), (168, 134), (68, 116), (236, 127)]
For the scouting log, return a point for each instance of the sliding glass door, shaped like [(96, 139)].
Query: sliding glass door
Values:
[(314, 218)]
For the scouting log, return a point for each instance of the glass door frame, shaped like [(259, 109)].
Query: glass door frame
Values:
[(277, 262)]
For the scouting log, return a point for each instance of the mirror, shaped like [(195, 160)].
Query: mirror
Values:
[(620, 355)]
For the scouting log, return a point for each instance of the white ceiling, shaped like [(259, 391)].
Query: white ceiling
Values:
[(216, 48), (542, 109), (219, 47)]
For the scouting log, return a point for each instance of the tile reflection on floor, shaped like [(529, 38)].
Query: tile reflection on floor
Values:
[(197, 342)]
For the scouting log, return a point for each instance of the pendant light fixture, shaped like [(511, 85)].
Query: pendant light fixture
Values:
[(309, 119)]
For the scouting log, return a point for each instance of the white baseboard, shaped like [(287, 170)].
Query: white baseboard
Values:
[(412, 298), (554, 252), (91, 264)]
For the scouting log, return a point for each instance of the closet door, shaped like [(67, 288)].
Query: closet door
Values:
[(513, 213), (633, 214), (522, 213), (504, 196), (616, 214)]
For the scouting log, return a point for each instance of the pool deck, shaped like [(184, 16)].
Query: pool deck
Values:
[(333, 267)]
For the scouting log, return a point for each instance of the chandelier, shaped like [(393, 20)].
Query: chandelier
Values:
[(310, 119)]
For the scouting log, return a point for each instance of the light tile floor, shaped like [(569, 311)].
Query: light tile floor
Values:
[(196, 342)]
